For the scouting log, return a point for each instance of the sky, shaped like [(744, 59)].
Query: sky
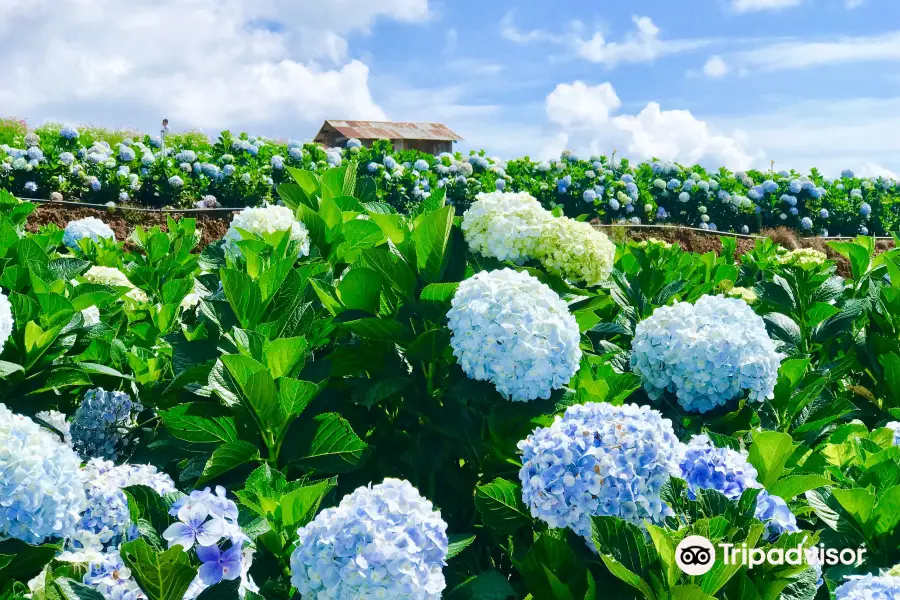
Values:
[(735, 83)]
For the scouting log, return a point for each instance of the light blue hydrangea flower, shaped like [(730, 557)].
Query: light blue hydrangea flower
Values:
[(103, 424), (228, 170), (599, 460), (865, 210), (176, 182), (863, 230), (383, 541), (661, 213), (147, 159), (353, 143), (421, 165), (500, 184), (795, 186), (66, 158), (30, 186), (688, 185), (514, 331), (613, 204), (791, 200), (186, 167), (673, 184), (108, 575), (745, 230), (684, 197), (794, 211), (869, 587), (106, 516), (703, 466), (295, 153), (68, 132), (706, 353), (823, 232), (390, 163), (631, 189), (817, 193), (126, 154), (703, 185), (333, 157), (823, 213), (806, 223), (724, 196), (278, 162), (89, 227), (589, 196), (123, 196), (754, 195), (769, 186), (43, 489), (847, 174), (35, 154), (94, 183), (856, 193), (188, 156), (775, 513)]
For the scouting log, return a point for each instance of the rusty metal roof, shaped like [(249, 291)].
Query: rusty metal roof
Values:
[(386, 130)]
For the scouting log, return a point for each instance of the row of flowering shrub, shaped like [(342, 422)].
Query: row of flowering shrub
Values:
[(62, 162), (339, 400)]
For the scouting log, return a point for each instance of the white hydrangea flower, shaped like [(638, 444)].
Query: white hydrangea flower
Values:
[(803, 257), (116, 278), (267, 220), (576, 251), (89, 227), (58, 421), (91, 316), (706, 353), (43, 492), (505, 226), (384, 541), (514, 331), (6, 320)]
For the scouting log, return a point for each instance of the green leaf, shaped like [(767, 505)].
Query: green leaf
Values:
[(887, 511), (224, 590), (73, 590), (360, 289), (794, 485), (328, 444), (380, 330), (161, 576), (257, 387), (429, 346), (490, 585), (200, 422), (500, 506), (227, 457), (431, 237), (299, 506), (439, 292), (284, 355), (144, 503), (769, 453), (625, 552), (857, 254), (24, 561), (458, 543), (243, 295)]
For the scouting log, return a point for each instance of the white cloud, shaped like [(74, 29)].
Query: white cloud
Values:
[(715, 67), (642, 45), (745, 6), (510, 32), (873, 170), (579, 106), (805, 54), (583, 114), (205, 64)]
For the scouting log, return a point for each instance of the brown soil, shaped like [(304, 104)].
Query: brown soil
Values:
[(212, 225)]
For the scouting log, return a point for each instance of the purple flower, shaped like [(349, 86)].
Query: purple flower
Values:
[(218, 565), (194, 528)]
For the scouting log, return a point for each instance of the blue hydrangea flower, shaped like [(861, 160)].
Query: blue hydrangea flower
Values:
[(228, 170), (186, 167), (277, 162), (43, 489), (108, 575), (66, 158), (631, 189), (390, 163), (823, 232), (500, 184), (126, 154), (869, 587), (123, 196), (745, 230), (791, 200), (856, 193), (688, 185), (383, 541), (823, 213), (673, 184), (895, 427), (36, 154), (724, 196), (818, 193), (514, 331), (769, 186), (599, 459), (589, 196), (847, 174), (806, 223), (754, 194), (703, 466), (703, 185), (794, 211), (68, 132), (147, 159), (176, 182), (684, 197), (795, 186), (188, 156), (706, 353), (421, 165), (627, 178), (252, 150), (295, 153), (863, 230), (865, 210), (353, 143), (89, 227), (106, 515), (94, 183), (30, 186), (661, 213), (775, 513), (103, 423), (333, 157)]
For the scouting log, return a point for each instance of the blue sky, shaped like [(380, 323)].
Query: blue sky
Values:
[(737, 82)]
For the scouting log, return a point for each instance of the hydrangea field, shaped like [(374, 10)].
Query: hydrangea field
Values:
[(343, 400), (98, 166)]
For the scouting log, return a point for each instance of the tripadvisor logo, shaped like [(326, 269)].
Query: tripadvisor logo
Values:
[(696, 555)]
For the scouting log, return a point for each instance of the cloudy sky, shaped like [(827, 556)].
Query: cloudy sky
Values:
[(806, 83)]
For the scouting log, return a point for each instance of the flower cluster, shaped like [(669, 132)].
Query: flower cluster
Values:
[(653, 242), (88, 227), (576, 251), (703, 466), (6, 320), (775, 513), (599, 459), (869, 587), (505, 226), (103, 423), (265, 221), (106, 517), (705, 353), (208, 523), (383, 541), (514, 331), (806, 258), (108, 575), (111, 276), (43, 492)]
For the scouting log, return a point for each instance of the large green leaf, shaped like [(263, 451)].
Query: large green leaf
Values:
[(200, 423), (161, 576), (431, 237), (501, 507), (490, 585), (328, 444), (769, 454), (625, 552), (299, 506), (227, 457)]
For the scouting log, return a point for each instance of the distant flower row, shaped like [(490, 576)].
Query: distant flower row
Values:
[(56, 162)]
